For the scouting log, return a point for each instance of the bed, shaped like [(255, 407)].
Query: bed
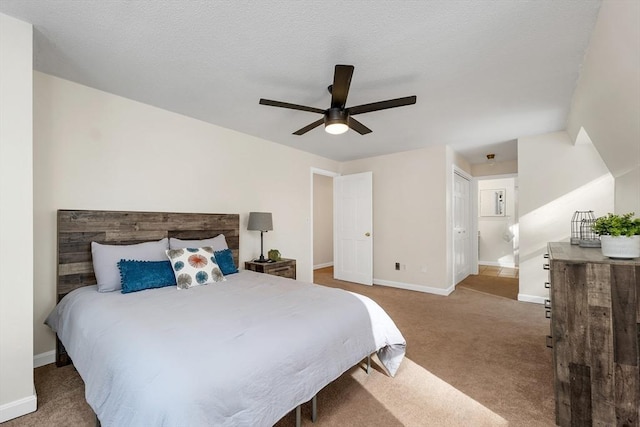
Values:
[(245, 351)]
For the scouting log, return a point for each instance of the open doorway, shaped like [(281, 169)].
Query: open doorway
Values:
[(321, 219), (498, 240)]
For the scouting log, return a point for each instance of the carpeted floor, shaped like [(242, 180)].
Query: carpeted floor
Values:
[(472, 360), (506, 287)]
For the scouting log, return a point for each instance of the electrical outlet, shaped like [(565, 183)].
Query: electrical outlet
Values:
[(397, 266)]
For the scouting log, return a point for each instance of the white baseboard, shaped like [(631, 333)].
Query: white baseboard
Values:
[(324, 265), (19, 407), (497, 264), (44, 358), (412, 287), (531, 298)]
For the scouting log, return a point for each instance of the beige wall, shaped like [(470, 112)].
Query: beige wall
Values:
[(498, 168), (461, 162), (556, 178), (322, 220), (94, 150), (17, 395), (606, 102), (409, 217)]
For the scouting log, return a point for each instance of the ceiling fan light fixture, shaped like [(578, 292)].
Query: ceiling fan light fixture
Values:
[(336, 121), (336, 128)]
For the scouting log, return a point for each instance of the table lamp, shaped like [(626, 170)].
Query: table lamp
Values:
[(262, 222)]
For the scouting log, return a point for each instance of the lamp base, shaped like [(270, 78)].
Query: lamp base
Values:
[(261, 259)]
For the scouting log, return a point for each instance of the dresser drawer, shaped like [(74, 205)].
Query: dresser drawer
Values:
[(282, 268), (284, 271)]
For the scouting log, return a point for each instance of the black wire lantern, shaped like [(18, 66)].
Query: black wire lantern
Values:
[(582, 229)]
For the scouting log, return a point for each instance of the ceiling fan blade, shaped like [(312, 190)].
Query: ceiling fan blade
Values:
[(382, 105), (340, 88), (290, 106), (358, 127), (307, 128)]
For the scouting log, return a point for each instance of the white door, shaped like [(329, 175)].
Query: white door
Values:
[(461, 228), (353, 224)]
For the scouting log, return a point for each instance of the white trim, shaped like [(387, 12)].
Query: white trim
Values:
[(473, 223), (413, 287), (19, 407), (44, 358), (463, 173), (498, 264), (323, 265), (531, 298)]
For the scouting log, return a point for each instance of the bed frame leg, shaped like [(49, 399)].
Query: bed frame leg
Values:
[(368, 364), (298, 416), (314, 408)]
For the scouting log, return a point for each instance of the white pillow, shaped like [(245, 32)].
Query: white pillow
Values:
[(106, 257), (194, 267), (218, 243)]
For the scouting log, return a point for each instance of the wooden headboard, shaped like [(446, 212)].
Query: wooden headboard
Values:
[(77, 229)]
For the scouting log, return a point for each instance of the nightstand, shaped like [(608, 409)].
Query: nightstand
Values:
[(284, 268)]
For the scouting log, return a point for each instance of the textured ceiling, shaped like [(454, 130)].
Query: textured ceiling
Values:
[(484, 72)]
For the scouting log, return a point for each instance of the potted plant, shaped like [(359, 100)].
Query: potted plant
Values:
[(619, 234)]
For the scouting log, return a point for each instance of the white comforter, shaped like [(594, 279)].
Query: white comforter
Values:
[(238, 353)]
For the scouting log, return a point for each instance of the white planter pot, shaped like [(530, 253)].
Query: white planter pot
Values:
[(620, 246)]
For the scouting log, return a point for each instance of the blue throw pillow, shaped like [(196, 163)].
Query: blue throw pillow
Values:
[(224, 259), (140, 275)]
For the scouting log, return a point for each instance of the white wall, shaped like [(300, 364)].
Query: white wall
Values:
[(322, 221), (17, 394), (94, 150), (497, 233), (606, 101), (498, 168), (410, 217), (556, 178), (628, 192)]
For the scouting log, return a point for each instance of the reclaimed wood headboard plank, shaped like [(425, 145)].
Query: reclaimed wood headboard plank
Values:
[(78, 228)]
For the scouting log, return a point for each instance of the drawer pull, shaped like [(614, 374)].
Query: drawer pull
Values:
[(547, 314), (547, 285), (549, 341), (547, 303), (545, 266), (546, 255)]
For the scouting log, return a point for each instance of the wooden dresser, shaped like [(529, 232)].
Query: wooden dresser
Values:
[(595, 333)]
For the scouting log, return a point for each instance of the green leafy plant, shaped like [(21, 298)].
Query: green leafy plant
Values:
[(617, 225)]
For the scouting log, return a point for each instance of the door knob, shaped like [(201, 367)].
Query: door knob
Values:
[(367, 234)]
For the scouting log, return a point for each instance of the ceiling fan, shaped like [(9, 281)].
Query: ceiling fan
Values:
[(338, 118)]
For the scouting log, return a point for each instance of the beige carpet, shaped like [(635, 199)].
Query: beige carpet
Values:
[(472, 360), (506, 287)]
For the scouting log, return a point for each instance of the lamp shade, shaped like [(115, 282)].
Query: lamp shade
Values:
[(260, 221)]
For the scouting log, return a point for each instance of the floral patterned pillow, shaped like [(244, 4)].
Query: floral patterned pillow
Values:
[(194, 267)]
